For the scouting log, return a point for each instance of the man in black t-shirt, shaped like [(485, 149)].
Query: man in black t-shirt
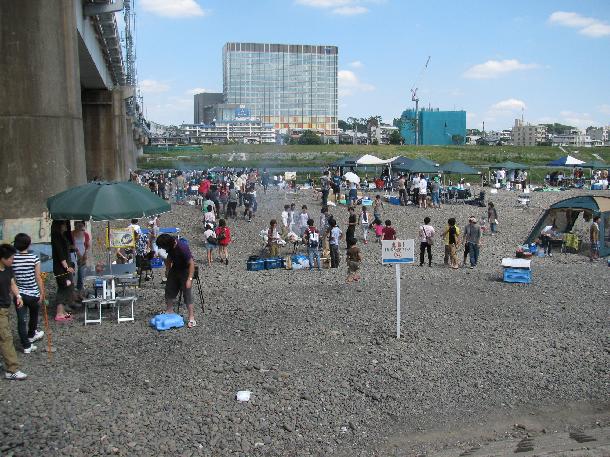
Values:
[(180, 268), (8, 290)]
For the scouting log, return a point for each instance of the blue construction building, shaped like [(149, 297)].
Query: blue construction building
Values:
[(435, 127)]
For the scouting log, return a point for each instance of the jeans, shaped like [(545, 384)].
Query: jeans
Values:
[(473, 250), (314, 253), (422, 251), (546, 243), (492, 226), (179, 195), (436, 201), (27, 327), (402, 196), (365, 232), (334, 256), (353, 196), (80, 274), (325, 197)]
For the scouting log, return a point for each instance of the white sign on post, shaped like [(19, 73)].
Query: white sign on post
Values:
[(398, 252)]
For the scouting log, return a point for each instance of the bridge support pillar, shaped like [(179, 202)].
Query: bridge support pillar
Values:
[(41, 126), (109, 143)]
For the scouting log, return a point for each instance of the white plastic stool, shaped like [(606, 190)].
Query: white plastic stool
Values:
[(96, 302), (127, 300)]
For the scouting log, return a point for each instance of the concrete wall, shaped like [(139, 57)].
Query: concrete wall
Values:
[(41, 128)]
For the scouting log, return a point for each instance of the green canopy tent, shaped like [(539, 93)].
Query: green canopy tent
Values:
[(418, 166), (458, 168), (565, 213), (344, 162), (106, 201), (508, 165)]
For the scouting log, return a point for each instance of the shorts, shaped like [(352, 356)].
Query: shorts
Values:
[(595, 246), (353, 266), (176, 283)]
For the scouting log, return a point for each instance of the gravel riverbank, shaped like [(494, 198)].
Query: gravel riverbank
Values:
[(327, 375)]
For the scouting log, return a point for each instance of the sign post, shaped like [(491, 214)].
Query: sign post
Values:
[(398, 252)]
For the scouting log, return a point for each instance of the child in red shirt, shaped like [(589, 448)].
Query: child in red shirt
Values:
[(388, 231)]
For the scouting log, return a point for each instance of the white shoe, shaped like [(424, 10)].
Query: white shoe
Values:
[(31, 349), (38, 334), (16, 376)]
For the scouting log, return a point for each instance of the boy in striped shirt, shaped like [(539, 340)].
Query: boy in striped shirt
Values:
[(26, 267)]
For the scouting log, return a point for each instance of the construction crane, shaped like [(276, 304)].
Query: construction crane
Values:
[(415, 99)]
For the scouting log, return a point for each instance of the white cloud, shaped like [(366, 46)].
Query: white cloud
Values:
[(173, 8), (604, 109), (350, 10), (197, 90), (349, 84), (151, 86), (510, 104), (495, 68), (356, 64), (588, 26), (340, 7)]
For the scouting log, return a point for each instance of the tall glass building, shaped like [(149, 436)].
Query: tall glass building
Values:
[(290, 86)]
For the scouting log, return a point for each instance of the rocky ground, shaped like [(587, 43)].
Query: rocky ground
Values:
[(327, 375)]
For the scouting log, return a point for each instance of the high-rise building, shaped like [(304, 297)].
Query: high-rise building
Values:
[(434, 127), (203, 100), (293, 87)]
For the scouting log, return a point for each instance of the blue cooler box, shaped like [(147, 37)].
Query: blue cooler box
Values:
[(255, 265), (518, 275), (274, 262), (394, 201)]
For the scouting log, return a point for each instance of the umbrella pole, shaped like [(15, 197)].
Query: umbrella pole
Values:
[(108, 246)]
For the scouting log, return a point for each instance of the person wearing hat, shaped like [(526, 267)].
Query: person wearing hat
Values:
[(436, 193), (472, 240)]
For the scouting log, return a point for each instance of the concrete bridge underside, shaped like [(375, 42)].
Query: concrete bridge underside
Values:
[(63, 118)]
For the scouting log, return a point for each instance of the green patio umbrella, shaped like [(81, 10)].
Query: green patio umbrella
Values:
[(459, 168), (106, 201)]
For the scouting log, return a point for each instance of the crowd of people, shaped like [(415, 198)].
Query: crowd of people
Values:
[(225, 195)]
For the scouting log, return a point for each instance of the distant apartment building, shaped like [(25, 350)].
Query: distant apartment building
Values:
[(202, 101), (502, 136), (248, 131), (527, 134), (600, 136), (434, 127), (292, 87), (381, 133), (573, 138)]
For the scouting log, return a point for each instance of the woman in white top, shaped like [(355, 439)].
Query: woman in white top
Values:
[(423, 192), (426, 240)]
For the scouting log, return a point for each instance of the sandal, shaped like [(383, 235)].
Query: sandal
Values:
[(65, 318), (192, 323)]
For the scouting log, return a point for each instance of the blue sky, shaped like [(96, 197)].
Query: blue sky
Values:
[(490, 58)]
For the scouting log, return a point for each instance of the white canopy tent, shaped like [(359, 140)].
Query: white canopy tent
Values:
[(369, 159)]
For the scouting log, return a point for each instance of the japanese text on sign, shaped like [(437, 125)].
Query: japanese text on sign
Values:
[(398, 251)]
